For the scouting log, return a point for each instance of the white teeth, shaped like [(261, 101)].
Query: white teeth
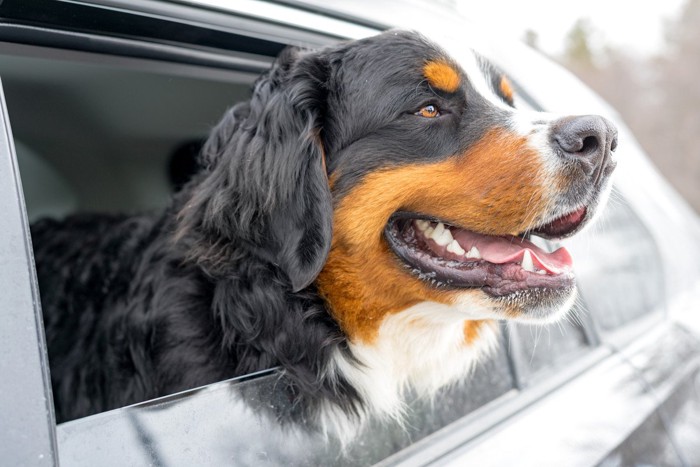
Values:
[(541, 272), (474, 253), (438, 230), (439, 234), (442, 236), (455, 248), (527, 263), (422, 224)]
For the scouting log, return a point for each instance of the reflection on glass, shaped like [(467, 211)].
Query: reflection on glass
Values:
[(539, 349), (618, 267), (237, 423)]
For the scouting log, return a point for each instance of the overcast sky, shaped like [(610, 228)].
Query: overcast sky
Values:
[(637, 26)]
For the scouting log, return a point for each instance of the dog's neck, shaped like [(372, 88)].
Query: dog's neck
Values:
[(397, 360)]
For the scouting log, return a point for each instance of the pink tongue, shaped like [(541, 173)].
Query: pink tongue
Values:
[(500, 250)]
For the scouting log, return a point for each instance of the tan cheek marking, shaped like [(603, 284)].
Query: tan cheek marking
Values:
[(506, 88), (496, 188), (442, 76), (364, 286)]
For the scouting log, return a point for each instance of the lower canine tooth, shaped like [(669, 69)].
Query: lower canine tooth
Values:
[(455, 248), (474, 253), (527, 262)]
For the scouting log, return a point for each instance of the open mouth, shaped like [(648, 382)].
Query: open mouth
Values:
[(450, 256)]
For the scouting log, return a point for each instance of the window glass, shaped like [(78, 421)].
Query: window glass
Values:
[(234, 423), (619, 272), (491, 378), (540, 349)]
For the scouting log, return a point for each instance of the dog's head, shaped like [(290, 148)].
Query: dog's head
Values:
[(391, 175)]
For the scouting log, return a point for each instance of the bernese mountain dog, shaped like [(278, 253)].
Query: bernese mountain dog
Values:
[(362, 223)]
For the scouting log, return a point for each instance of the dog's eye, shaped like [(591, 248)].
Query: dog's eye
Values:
[(429, 111)]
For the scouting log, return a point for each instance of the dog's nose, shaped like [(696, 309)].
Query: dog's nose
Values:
[(588, 139)]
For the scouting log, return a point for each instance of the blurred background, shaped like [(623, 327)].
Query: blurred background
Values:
[(642, 57)]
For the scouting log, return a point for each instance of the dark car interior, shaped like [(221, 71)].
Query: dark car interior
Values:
[(103, 137)]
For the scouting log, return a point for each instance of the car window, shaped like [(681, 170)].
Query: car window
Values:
[(540, 350), (620, 274)]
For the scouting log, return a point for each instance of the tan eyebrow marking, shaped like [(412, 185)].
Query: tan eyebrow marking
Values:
[(506, 88), (441, 75)]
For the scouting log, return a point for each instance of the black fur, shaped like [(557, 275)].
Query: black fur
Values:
[(137, 307), (221, 283)]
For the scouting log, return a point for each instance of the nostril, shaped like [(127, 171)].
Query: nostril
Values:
[(589, 145), (577, 143), (613, 145)]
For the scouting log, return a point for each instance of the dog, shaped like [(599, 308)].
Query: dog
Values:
[(362, 223)]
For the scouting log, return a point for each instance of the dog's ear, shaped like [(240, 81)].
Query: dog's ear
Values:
[(267, 186)]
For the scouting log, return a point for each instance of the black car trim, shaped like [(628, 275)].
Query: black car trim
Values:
[(89, 19), (43, 37)]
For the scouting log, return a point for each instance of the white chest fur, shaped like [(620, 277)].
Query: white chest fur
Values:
[(423, 347)]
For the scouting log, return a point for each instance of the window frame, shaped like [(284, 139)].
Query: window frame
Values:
[(26, 404)]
